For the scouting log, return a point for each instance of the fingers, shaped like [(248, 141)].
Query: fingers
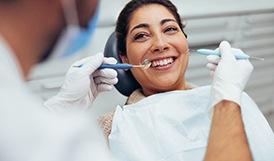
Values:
[(109, 73), (211, 73), (105, 77), (246, 65), (92, 63), (214, 59), (227, 56), (109, 60), (104, 84), (234, 51), (237, 51), (104, 87), (87, 65), (102, 80), (211, 67), (226, 53)]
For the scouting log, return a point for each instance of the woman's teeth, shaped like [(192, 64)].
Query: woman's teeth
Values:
[(162, 62)]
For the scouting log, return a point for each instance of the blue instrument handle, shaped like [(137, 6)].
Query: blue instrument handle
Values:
[(213, 52), (115, 66)]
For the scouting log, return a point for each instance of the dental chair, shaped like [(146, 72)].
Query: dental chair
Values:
[(126, 82)]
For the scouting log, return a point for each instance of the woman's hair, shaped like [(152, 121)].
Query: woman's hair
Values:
[(126, 14)]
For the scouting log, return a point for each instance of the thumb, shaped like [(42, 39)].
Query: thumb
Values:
[(110, 60), (225, 50), (92, 63)]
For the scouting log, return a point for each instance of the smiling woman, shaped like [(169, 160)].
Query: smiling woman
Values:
[(158, 38), (167, 118)]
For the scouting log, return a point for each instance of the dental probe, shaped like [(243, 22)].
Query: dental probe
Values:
[(237, 56)]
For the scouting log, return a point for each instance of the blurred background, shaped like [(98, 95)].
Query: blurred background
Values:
[(246, 24)]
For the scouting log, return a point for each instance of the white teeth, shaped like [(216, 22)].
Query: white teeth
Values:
[(162, 62)]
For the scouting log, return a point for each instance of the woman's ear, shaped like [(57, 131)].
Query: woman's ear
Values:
[(123, 58)]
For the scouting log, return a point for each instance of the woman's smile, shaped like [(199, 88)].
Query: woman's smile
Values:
[(163, 63)]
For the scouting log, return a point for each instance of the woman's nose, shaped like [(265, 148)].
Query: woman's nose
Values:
[(159, 44)]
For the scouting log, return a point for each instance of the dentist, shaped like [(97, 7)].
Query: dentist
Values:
[(35, 31)]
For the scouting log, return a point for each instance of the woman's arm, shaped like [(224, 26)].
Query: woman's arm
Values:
[(227, 139)]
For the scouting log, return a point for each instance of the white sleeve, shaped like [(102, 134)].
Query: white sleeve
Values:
[(259, 134)]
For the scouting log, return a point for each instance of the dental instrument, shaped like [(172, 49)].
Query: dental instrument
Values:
[(213, 52), (146, 64)]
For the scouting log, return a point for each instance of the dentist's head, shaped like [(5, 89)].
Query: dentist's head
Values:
[(38, 29)]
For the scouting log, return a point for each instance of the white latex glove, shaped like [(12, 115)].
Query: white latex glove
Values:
[(213, 61), (83, 84), (230, 76)]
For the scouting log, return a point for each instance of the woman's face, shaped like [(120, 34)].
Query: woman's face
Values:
[(154, 34)]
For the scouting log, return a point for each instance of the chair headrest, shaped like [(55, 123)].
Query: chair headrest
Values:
[(126, 82)]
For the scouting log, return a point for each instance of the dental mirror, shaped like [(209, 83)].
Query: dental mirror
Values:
[(146, 64)]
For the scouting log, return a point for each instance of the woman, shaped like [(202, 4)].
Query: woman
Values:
[(167, 119)]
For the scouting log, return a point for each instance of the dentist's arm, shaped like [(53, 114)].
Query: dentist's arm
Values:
[(83, 84), (227, 139)]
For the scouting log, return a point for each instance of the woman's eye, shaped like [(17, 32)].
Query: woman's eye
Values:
[(171, 29), (140, 36)]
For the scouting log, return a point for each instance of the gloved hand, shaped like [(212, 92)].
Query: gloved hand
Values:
[(213, 61), (230, 76), (83, 84)]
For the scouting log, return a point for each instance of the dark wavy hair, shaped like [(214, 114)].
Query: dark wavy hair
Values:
[(126, 14)]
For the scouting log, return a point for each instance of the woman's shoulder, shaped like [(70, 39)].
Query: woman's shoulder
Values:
[(105, 121), (190, 85), (135, 96)]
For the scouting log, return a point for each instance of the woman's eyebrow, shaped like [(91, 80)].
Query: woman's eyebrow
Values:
[(142, 25), (145, 25), (166, 20)]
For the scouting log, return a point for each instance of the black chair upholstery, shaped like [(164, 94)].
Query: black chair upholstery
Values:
[(126, 82)]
